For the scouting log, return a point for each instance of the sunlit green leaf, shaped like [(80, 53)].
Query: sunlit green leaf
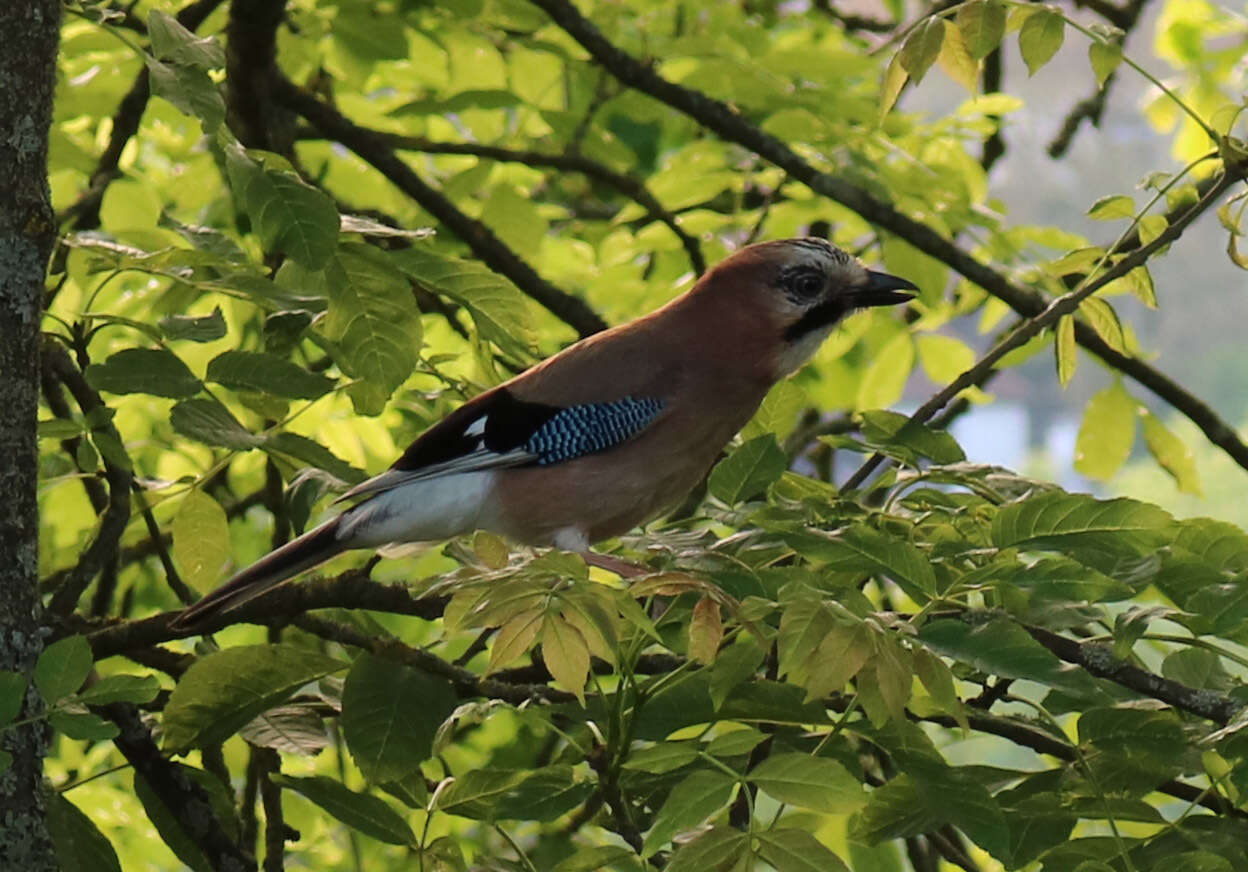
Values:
[(1040, 38), (1171, 453), (1107, 432), (748, 470), (810, 782), (201, 540)]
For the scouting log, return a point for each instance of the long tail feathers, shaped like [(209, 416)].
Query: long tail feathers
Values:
[(312, 548)]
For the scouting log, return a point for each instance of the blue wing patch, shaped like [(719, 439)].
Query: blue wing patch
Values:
[(580, 430)]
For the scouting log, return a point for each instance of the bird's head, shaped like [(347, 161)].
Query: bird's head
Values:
[(799, 289)]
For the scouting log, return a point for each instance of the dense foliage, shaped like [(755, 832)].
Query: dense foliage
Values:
[(297, 233)]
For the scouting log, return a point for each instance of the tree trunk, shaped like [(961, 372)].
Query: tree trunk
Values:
[(27, 233)]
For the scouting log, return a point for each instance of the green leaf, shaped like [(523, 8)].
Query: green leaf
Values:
[(288, 215), (1062, 522), (890, 430), (748, 470), (864, 548), (201, 540), (1105, 58), (897, 809), (373, 319), (83, 725), (1066, 349), (367, 814), (895, 78), (171, 41), (793, 850), (189, 89), (310, 452), (62, 668), (1101, 315), (922, 47), (690, 803), (204, 328), (1107, 432), (983, 26), (291, 729), (1040, 38), (211, 423), (502, 314), (251, 371), (144, 371), (596, 859), (885, 378), (78, 842), (390, 714), (718, 849), (223, 691), (1172, 454), (1001, 647), (137, 689), (816, 783), (735, 743), (1126, 730), (1112, 207), (956, 60), (495, 794), (662, 757), (565, 654), (12, 694)]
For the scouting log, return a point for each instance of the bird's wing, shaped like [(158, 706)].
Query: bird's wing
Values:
[(497, 430)]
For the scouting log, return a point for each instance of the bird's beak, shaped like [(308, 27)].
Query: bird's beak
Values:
[(882, 289)]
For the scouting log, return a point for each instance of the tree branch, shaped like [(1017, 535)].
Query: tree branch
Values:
[(351, 589), (732, 126), (489, 248), (184, 799), (85, 211), (113, 521), (1100, 661), (1062, 306), (626, 184)]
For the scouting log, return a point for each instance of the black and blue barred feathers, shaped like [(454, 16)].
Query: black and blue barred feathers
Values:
[(580, 430)]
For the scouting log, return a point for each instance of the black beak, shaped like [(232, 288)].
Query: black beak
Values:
[(882, 289)]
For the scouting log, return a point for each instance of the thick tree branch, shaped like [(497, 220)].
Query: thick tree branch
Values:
[(732, 126), (184, 799), (352, 589), (1100, 661), (485, 245)]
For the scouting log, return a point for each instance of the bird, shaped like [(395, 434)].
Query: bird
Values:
[(610, 433)]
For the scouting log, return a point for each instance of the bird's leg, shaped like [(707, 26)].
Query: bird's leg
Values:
[(622, 568)]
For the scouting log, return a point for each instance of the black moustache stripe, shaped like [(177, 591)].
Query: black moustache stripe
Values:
[(825, 313)]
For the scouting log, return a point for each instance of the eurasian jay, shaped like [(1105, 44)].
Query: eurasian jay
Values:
[(609, 433)]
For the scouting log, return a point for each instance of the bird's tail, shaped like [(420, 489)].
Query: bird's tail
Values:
[(312, 548)]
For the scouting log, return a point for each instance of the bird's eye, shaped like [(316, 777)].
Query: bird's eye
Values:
[(806, 285)]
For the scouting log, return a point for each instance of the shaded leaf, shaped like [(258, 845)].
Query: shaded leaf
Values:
[(144, 371), (137, 689), (922, 47), (223, 691), (690, 803), (62, 667), (793, 850), (747, 470), (983, 26), (390, 713), (367, 814), (290, 729), (209, 422), (78, 842), (267, 373)]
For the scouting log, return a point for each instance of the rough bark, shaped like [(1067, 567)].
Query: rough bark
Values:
[(27, 233)]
